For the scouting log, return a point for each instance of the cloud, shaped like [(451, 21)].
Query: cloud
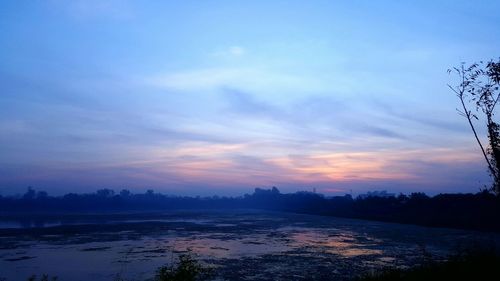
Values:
[(197, 166), (229, 53), (378, 131), (243, 103), (312, 117), (429, 120), (236, 50), (261, 81)]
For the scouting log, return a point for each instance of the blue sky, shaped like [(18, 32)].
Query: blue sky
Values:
[(219, 97)]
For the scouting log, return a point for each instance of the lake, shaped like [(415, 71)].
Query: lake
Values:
[(239, 245)]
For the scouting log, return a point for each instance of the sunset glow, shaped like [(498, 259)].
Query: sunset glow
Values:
[(195, 98)]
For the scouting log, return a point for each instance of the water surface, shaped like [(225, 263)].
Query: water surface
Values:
[(240, 245)]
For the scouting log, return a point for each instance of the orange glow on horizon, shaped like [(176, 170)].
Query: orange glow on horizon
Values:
[(218, 164)]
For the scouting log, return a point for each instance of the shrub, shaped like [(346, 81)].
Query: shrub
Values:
[(187, 269)]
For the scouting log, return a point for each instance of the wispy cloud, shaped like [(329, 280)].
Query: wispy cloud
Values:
[(251, 79), (168, 94), (230, 52)]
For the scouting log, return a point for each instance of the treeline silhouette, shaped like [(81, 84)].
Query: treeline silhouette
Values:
[(468, 211)]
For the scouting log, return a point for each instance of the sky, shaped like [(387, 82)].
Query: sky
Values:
[(220, 97)]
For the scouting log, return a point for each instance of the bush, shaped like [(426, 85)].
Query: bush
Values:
[(187, 269)]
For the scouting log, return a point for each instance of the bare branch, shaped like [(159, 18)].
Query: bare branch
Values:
[(453, 89)]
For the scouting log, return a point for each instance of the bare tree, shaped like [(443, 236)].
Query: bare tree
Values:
[(478, 88)]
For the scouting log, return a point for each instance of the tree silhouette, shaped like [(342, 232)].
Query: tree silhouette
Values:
[(479, 88)]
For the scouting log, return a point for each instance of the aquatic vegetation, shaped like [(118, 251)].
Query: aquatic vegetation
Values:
[(43, 277), (237, 245)]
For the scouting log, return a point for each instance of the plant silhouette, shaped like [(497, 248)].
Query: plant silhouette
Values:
[(187, 269), (479, 88)]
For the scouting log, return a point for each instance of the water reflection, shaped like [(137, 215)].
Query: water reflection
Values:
[(345, 244), (235, 243), (207, 247)]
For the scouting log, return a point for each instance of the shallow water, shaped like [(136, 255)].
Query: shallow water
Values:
[(240, 245)]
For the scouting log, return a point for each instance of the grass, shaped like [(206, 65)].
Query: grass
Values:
[(481, 266)]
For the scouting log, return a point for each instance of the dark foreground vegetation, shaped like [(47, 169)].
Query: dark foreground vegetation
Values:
[(472, 265), (469, 265), (468, 211), (482, 266), (187, 269)]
